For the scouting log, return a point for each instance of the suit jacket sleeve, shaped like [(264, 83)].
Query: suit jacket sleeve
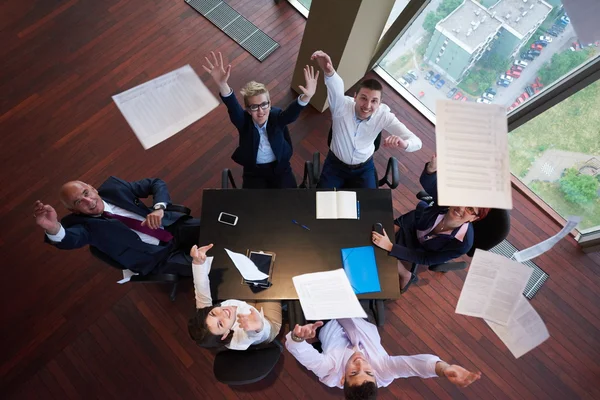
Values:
[(429, 183), (235, 110), (291, 113), (76, 236), (144, 188)]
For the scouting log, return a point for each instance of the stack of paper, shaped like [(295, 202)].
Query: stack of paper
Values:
[(336, 205), (493, 291)]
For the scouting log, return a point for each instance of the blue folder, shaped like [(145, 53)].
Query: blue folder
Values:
[(361, 269)]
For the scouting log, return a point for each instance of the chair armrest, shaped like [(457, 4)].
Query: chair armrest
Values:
[(226, 179), (307, 179), (391, 169), (424, 196), (449, 266), (179, 208), (316, 163)]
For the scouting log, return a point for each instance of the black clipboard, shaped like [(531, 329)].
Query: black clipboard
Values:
[(264, 261)]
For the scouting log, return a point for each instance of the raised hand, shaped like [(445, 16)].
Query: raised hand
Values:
[(324, 62), (154, 219), (460, 376), (382, 241), (307, 331), (311, 83), (251, 322), (46, 217), (394, 141), (198, 254), (218, 72)]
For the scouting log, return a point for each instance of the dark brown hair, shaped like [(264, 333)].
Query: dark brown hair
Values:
[(365, 391), (371, 84), (198, 330)]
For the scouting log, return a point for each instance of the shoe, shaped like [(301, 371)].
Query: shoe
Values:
[(413, 279)]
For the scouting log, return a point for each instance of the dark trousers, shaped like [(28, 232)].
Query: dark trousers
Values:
[(264, 176), (185, 235), (338, 175)]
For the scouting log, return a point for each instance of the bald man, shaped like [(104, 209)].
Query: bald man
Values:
[(113, 219)]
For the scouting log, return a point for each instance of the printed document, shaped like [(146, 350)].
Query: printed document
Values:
[(327, 295), (336, 205), (525, 330), (246, 266), (541, 248), (158, 109), (472, 155), (493, 287)]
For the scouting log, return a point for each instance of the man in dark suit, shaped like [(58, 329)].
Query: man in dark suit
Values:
[(113, 220), (265, 146)]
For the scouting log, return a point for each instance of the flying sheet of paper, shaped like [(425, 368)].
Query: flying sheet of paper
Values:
[(493, 287), (472, 155), (158, 109), (246, 266), (127, 274), (327, 295), (525, 330), (542, 247)]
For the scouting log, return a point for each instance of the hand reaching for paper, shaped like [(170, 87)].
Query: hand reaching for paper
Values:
[(251, 322), (218, 72)]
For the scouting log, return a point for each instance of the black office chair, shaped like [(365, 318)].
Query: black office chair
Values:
[(172, 279), (234, 367), (296, 315), (487, 233), (227, 179)]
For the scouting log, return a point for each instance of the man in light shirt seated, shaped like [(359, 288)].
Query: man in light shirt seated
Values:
[(113, 220), (356, 124), (354, 359)]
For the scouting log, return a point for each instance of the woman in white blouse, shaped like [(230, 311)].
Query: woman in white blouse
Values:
[(233, 324)]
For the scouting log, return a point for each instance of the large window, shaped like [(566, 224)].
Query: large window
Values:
[(490, 51), (557, 155)]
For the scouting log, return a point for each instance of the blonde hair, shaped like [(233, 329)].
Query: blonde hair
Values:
[(252, 89)]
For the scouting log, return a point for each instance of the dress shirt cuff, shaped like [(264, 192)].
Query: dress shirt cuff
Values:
[(302, 103), (228, 94), (60, 235), (414, 144)]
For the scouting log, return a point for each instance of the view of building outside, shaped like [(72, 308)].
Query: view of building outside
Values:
[(489, 51), (557, 155)]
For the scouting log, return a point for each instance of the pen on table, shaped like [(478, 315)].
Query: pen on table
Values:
[(300, 225), (358, 209)]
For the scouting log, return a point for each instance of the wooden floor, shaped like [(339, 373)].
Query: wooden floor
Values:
[(68, 331)]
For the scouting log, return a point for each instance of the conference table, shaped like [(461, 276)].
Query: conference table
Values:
[(265, 224)]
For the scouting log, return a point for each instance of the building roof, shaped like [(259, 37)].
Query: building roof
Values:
[(519, 16), (469, 25)]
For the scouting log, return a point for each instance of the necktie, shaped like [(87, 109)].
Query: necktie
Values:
[(136, 225), (350, 329)]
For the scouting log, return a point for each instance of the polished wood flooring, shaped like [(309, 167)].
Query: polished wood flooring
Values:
[(70, 332)]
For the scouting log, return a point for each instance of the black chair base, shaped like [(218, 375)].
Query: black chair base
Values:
[(234, 367), (172, 279), (451, 266)]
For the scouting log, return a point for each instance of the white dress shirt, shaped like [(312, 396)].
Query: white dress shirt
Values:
[(111, 208), (330, 365), (352, 139), (241, 339)]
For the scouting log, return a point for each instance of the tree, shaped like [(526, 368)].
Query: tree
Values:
[(443, 10), (578, 188), (561, 64), (430, 21)]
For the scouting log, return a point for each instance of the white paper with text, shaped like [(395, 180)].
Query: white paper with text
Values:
[(542, 247)]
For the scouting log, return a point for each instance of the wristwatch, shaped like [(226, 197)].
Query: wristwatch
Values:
[(160, 206), (296, 338)]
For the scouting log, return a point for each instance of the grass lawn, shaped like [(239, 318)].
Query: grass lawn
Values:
[(572, 125), (399, 66), (551, 194)]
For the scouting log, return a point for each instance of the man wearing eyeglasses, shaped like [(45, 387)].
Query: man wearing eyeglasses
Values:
[(265, 147)]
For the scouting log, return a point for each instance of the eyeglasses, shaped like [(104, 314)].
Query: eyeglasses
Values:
[(263, 106), (472, 211)]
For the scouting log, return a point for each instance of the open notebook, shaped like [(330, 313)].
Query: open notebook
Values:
[(336, 205)]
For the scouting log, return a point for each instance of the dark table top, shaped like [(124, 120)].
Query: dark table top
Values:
[(265, 224)]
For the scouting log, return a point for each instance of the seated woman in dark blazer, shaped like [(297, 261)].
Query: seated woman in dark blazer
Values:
[(431, 234), (265, 146)]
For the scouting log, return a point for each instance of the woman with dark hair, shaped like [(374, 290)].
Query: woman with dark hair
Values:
[(431, 234), (233, 324)]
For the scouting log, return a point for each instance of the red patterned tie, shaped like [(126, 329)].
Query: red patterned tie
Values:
[(136, 225)]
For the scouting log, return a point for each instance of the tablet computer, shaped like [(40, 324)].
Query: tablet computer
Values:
[(264, 261)]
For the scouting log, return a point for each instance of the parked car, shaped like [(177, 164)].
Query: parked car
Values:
[(429, 75), (482, 100), (488, 96), (434, 79), (516, 68), (535, 53), (546, 38), (457, 96), (464, 98), (413, 74), (558, 28), (564, 20), (552, 32), (514, 74), (527, 56), (451, 93), (491, 91), (542, 43), (407, 78), (520, 63), (529, 90), (403, 82), (502, 82), (440, 83), (506, 77), (536, 46)]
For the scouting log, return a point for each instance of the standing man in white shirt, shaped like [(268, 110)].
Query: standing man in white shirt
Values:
[(354, 359), (356, 124)]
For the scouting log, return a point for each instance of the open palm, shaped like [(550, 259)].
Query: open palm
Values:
[(311, 81), (217, 69), (460, 376)]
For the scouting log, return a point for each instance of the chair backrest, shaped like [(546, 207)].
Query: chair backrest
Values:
[(377, 141), (105, 258), (491, 230), (234, 367)]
